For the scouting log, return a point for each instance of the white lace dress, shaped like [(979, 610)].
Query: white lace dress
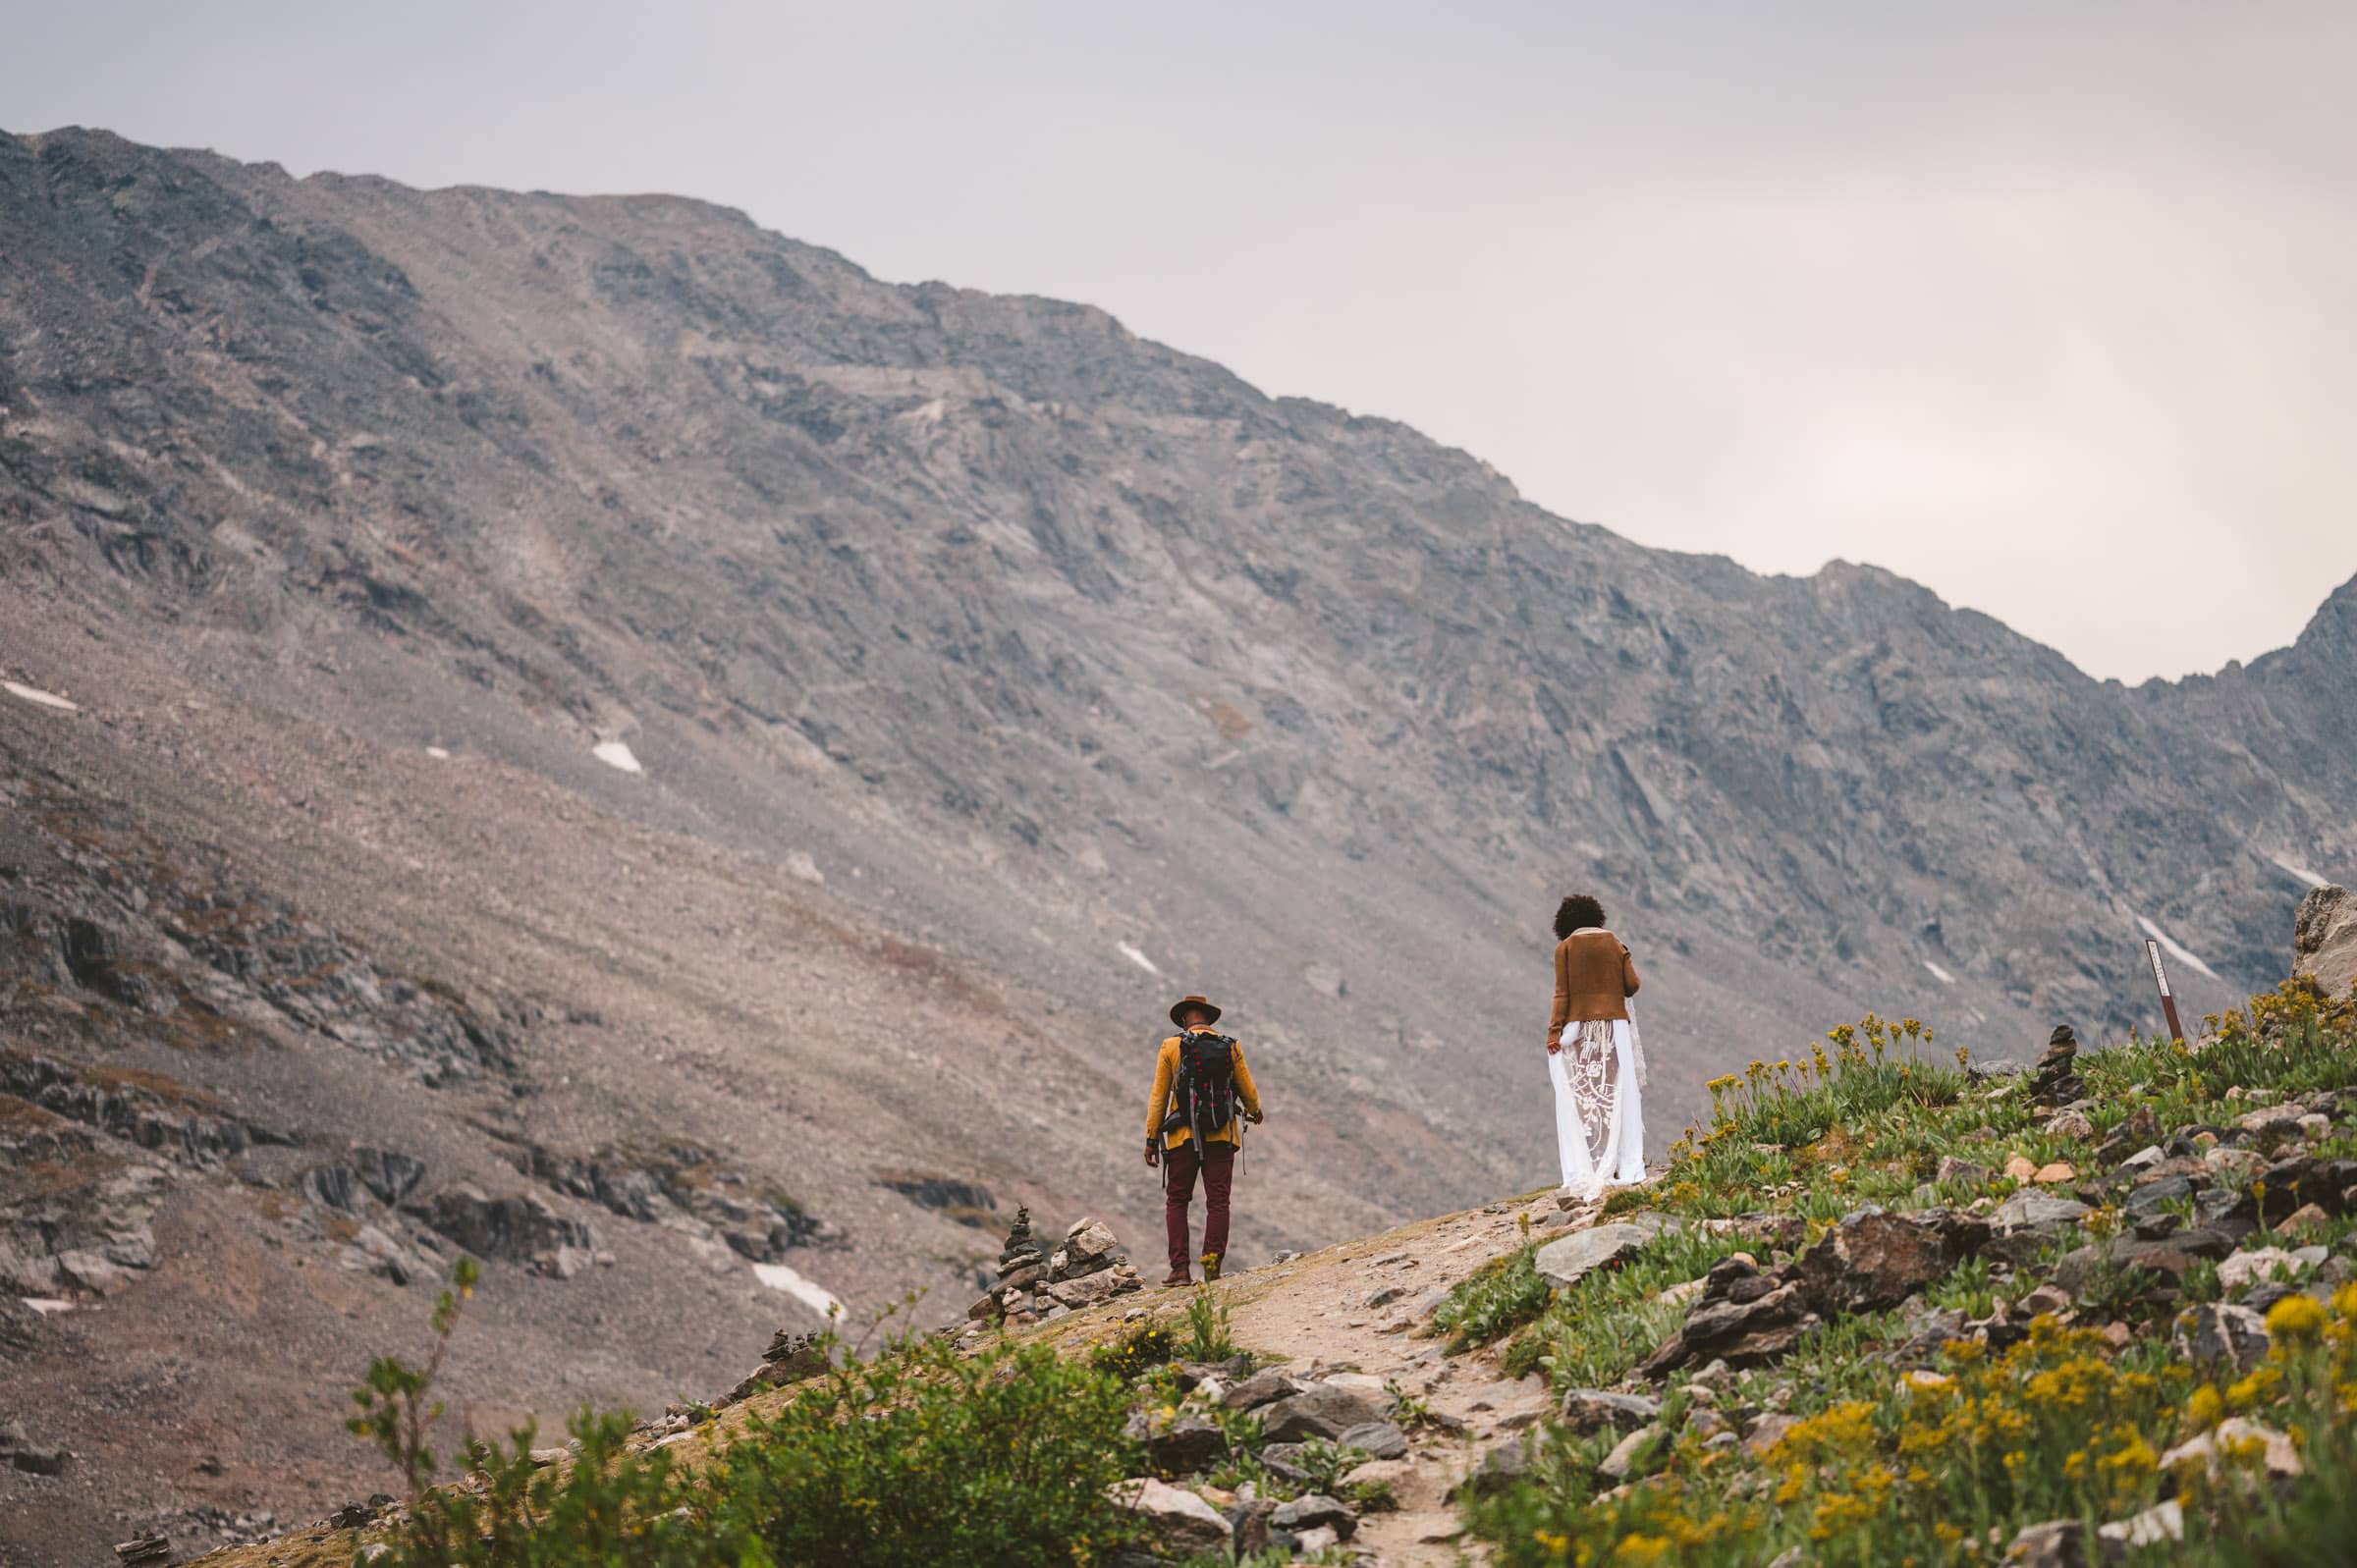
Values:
[(1598, 1117)]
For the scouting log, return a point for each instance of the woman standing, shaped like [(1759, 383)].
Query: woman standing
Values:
[(1593, 1053)]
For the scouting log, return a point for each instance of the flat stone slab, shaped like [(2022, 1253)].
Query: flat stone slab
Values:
[(2031, 1207), (1568, 1260), (1593, 1409)]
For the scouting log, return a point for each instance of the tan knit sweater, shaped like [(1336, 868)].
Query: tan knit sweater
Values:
[(1594, 976)]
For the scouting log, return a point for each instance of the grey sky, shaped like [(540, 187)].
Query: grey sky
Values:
[(2052, 307)]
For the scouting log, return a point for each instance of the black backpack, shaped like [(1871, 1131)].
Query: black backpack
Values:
[(1203, 1097)]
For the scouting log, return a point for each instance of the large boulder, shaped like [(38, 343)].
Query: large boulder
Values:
[(1308, 1513), (1179, 1523), (2323, 940), (1586, 1410), (2221, 1335), (1264, 1387), (1568, 1260), (1179, 1446), (1378, 1439), (1873, 1260), (1085, 1291), (1323, 1410), (2032, 1209)]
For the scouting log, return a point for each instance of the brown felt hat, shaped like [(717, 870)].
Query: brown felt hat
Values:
[(1185, 1003)]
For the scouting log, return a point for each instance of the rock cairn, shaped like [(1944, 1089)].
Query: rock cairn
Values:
[(1089, 1267), (790, 1358), (1021, 1251), (2054, 1081)]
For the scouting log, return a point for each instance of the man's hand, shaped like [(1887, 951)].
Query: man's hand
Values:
[(1252, 1116), (1153, 1151), (1555, 1045)]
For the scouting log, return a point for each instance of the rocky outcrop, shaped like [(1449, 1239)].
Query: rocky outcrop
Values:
[(2324, 941), (790, 1358), (208, 960), (1870, 1262), (686, 1181), (1566, 1261), (519, 1227), (152, 1113), (969, 1203), (1178, 1523)]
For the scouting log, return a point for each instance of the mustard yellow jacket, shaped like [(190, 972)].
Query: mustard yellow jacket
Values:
[(1166, 1070)]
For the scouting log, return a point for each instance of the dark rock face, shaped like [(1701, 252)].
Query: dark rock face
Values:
[(184, 1128), (968, 1202), (517, 1227), (687, 1179)]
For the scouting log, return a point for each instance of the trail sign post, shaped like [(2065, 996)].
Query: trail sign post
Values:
[(2169, 1002)]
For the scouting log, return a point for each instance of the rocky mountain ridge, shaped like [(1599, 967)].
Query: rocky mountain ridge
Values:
[(724, 761)]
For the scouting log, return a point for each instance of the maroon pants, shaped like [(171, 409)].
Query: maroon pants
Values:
[(1179, 1190)]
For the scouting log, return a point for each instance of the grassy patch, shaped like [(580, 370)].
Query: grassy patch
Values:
[(1493, 1300)]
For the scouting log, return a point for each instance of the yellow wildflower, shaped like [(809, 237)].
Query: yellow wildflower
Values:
[(2294, 1321)]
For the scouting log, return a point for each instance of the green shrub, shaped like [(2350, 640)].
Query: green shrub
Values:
[(608, 1506), (1495, 1299), (924, 1458), (1135, 1353), (921, 1456), (1594, 1334), (1207, 1336)]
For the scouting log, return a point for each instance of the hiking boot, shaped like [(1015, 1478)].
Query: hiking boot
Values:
[(1211, 1267), (1179, 1276)]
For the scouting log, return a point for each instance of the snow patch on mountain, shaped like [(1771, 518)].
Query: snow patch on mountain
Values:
[(2173, 947), (803, 1288), (2299, 871), (34, 694)]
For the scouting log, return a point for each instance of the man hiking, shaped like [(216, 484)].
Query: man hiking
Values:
[(1201, 1086)]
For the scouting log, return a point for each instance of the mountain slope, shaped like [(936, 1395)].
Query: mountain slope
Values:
[(1080, 672)]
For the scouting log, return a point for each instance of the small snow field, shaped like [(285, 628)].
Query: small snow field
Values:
[(2175, 949), (437, 753), (613, 754), (1130, 952), (40, 698), (808, 1291), (2294, 868), (1940, 974)]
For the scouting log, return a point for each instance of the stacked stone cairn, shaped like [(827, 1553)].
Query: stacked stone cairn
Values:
[(1091, 1266), (2054, 1081), (790, 1358)]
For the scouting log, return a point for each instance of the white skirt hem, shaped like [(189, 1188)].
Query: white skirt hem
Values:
[(1620, 1161)]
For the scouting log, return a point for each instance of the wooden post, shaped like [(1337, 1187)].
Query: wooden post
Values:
[(2169, 1002)]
